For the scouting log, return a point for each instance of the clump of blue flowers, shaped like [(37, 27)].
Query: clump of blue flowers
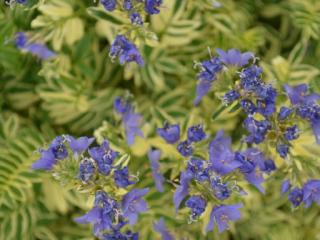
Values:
[(206, 177), (123, 47), (213, 180), (95, 166), (125, 50)]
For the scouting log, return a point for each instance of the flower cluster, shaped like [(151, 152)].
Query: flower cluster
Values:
[(209, 70), (309, 193), (122, 47), (258, 100), (96, 166), (37, 49), (264, 124), (133, 7), (125, 50), (208, 178)]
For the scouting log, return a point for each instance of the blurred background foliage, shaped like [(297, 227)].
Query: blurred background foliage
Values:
[(74, 94)]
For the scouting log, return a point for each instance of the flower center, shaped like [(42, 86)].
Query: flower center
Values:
[(224, 218)]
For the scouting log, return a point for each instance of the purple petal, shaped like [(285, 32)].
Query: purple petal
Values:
[(133, 218), (285, 186), (79, 145), (222, 54), (133, 195), (132, 122), (245, 57), (311, 98), (183, 190), (93, 216), (46, 161), (40, 51), (154, 157), (161, 228), (316, 130), (210, 225), (296, 93), (234, 56), (255, 178), (203, 88)]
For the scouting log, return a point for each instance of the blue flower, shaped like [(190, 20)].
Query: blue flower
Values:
[(268, 166), (125, 50), (306, 105), (222, 215), (185, 148), (121, 177), (132, 122), (209, 70), (36, 49), (247, 163), (46, 161), (197, 206), (160, 227), (86, 170), (253, 164), (21, 40), (296, 196), (79, 145), (257, 129), (255, 178), (132, 204), (248, 106), (58, 148), (266, 92), (154, 157), (266, 102), (283, 150), (284, 113), (109, 5), (170, 133), (234, 57), (311, 192), (136, 19), (127, 5), (183, 190), (285, 186), (250, 78), (202, 89), (221, 156), (198, 169), (104, 156), (291, 133), (121, 105), (296, 94), (196, 133), (220, 189), (103, 213), (266, 108), (231, 96), (56, 151), (152, 6)]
